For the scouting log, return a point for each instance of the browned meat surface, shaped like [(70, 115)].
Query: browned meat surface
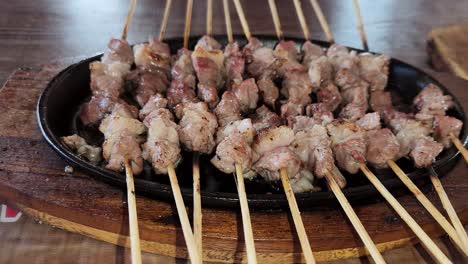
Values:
[(349, 145), (182, 69), (162, 145), (301, 123), (154, 103), (146, 84), (208, 43), (382, 146), (247, 94), (234, 64), (264, 118), (208, 94), (263, 63), (243, 127), (352, 112), (330, 96), (320, 113), (291, 109), (197, 128), (432, 101), (424, 150), (180, 92), (380, 101), (154, 56), (268, 91), (443, 126), (407, 130), (311, 52), (286, 54), (297, 88), (370, 121), (320, 72), (272, 138), (79, 145), (248, 50), (270, 163), (228, 109), (108, 79), (98, 107), (374, 70), (118, 51)]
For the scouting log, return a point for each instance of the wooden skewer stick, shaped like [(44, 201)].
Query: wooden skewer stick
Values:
[(227, 16), (374, 252), (357, 12), (162, 31), (459, 146), (302, 21), (131, 10), (423, 237), (296, 215), (276, 20), (246, 221), (132, 215), (188, 19), (184, 220), (197, 212), (245, 25), (428, 205), (322, 20), (449, 208), (209, 17)]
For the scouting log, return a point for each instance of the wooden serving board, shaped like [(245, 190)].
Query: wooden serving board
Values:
[(32, 178)]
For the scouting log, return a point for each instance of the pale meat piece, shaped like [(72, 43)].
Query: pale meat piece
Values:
[(268, 91), (243, 127), (197, 128), (320, 72), (443, 126), (270, 163), (382, 146), (118, 51), (408, 131), (208, 43), (154, 56), (263, 64), (352, 112), (349, 145), (297, 87), (370, 121), (290, 109), (380, 101), (162, 145), (311, 52), (234, 64), (115, 123), (270, 139), (374, 70), (301, 123), (248, 50), (79, 145), (247, 94), (98, 107), (432, 101), (118, 147), (320, 113), (304, 182), (233, 150), (180, 92), (356, 95), (228, 109), (330, 96), (286, 54), (107, 79), (182, 69), (147, 83), (208, 94), (209, 66), (154, 103), (424, 151), (264, 118)]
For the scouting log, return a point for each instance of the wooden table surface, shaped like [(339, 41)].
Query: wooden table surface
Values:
[(36, 32)]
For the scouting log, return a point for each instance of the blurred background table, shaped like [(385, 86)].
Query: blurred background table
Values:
[(41, 31)]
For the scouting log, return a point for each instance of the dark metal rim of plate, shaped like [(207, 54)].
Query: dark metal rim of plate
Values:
[(402, 76)]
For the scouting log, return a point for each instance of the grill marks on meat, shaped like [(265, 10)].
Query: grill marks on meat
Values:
[(162, 145), (197, 128), (264, 118), (153, 61)]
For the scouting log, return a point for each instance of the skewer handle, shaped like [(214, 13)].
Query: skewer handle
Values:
[(322, 20), (197, 212), (162, 31), (245, 25), (188, 20), (302, 21), (276, 20), (357, 12), (296, 215), (184, 220), (450, 210), (209, 17), (246, 221), (426, 203), (227, 17), (425, 239), (371, 247), (128, 20), (132, 215), (459, 145)]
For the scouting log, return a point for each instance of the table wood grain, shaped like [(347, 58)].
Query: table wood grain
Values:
[(37, 32)]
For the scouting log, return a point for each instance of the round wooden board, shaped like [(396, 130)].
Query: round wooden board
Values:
[(32, 178)]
